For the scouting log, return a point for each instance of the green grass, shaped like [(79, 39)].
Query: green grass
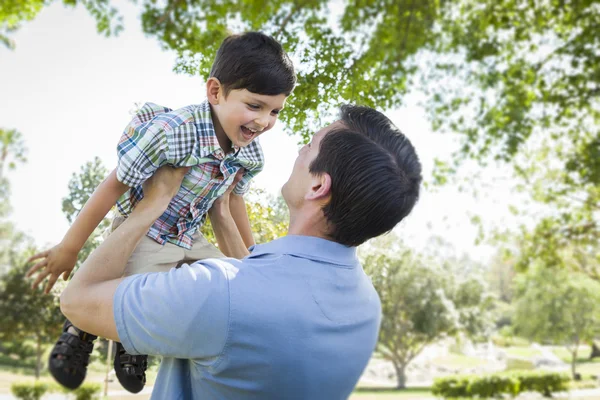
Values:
[(586, 383), (409, 393), (458, 361), (508, 341), (525, 352), (589, 368), (583, 355)]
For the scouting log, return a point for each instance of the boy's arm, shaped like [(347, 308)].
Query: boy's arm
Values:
[(237, 206), (61, 258)]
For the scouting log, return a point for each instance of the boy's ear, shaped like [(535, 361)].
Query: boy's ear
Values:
[(213, 89), (320, 187)]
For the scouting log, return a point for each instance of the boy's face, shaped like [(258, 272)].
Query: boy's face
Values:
[(243, 115)]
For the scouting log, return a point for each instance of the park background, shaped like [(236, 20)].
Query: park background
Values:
[(496, 269)]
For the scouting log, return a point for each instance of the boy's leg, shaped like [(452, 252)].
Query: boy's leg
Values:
[(201, 249), (68, 359), (148, 256), (151, 256)]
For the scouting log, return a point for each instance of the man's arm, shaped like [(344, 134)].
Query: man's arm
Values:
[(226, 231), (237, 207), (88, 299), (61, 258)]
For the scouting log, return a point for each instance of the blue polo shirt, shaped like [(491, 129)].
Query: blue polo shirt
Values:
[(296, 319)]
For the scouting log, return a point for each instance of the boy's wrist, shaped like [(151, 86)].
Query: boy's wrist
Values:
[(69, 247)]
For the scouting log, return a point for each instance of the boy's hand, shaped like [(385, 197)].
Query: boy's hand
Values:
[(54, 262)]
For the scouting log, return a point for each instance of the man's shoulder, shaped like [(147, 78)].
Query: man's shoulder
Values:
[(227, 267)]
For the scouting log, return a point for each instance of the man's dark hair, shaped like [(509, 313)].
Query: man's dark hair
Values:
[(255, 62), (375, 175)]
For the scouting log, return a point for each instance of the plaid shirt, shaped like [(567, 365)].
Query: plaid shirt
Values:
[(183, 138)]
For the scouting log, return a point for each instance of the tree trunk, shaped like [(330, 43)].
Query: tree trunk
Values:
[(400, 375), (574, 361), (595, 350), (38, 359)]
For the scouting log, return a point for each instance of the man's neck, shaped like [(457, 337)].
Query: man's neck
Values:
[(308, 223)]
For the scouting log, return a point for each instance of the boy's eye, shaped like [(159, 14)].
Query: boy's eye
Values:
[(254, 106), (276, 112)]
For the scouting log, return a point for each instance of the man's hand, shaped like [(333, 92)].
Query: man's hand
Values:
[(54, 262), (161, 187), (223, 201)]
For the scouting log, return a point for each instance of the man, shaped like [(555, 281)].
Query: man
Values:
[(297, 318)]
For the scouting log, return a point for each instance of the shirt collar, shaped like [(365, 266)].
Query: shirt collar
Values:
[(310, 247), (207, 133)]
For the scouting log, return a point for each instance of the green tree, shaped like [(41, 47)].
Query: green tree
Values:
[(519, 80), (81, 187), (559, 307), (422, 302), (268, 218), (27, 315), (12, 152), (495, 71), (360, 55)]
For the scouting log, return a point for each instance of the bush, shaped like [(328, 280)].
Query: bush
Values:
[(35, 390), (28, 390), (451, 387), (544, 383), (492, 386), (88, 391), (496, 385)]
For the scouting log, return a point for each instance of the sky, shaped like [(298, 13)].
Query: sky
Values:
[(70, 92)]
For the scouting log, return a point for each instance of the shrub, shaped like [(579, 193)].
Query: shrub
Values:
[(544, 383), (28, 390), (451, 387), (496, 385), (88, 391), (492, 386)]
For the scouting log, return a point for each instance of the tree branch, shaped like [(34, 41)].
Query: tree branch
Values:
[(287, 19)]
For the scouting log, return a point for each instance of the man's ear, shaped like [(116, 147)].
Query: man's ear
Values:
[(213, 89), (320, 188)]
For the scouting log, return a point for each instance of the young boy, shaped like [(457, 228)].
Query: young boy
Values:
[(249, 82)]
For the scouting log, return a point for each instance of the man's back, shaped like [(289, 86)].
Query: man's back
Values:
[(297, 319)]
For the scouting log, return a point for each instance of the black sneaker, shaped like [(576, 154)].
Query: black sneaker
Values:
[(70, 356), (130, 369)]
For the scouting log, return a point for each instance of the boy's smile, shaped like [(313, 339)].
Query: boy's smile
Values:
[(242, 116)]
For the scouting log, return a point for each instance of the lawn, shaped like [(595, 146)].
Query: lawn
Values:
[(583, 355), (521, 351), (458, 361), (391, 394)]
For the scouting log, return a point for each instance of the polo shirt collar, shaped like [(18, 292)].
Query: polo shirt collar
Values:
[(310, 247)]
